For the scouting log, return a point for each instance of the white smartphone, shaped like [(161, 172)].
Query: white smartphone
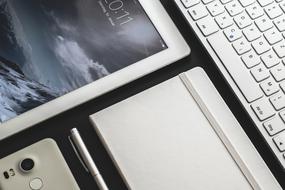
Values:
[(40, 166)]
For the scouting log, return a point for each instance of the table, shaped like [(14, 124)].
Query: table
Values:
[(58, 127)]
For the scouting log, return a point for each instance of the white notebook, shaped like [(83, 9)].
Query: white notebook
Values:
[(181, 135)]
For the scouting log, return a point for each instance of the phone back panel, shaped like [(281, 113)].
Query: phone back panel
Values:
[(50, 171)]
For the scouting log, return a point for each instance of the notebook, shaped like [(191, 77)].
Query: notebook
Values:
[(181, 135)]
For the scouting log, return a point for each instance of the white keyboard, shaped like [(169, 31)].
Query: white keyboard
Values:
[(246, 39)]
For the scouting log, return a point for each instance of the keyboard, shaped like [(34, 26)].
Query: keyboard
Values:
[(246, 39)]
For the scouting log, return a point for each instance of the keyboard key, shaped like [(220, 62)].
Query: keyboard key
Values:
[(273, 10), (198, 11), (215, 8), (190, 3), (207, 1), (280, 23), (282, 115), (225, 1), (270, 59), (278, 100), (273, 36), (232, 33), (263, 109), (261, 46), (250, 59), (282, 86), (207, 26), (280, 49), (260, 73), (241, 46), (269, 86), (234, 7), (243, 20), (224, 20), (254, 11), (278, 72), (265, 2), (280, 141), (234, 66), (251, 33), (245, 3), (263, 23), (282, 5), (274, 125)]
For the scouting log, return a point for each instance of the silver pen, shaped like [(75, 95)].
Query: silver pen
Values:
[(87, 160)]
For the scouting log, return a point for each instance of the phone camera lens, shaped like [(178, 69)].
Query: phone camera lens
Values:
[(27, 164)]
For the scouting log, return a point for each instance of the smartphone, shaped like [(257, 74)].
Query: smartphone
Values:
[(40, 166)]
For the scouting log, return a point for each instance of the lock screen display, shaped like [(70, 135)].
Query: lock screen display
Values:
[(50, 47)]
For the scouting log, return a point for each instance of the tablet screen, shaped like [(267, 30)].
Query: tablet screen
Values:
[(50, 47)]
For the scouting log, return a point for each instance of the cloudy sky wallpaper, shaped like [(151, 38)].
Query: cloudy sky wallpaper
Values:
[(51, 47)]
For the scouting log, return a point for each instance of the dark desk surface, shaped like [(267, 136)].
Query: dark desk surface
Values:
[(59, 126)]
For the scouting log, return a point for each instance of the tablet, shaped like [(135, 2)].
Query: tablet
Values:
[(56, 55)]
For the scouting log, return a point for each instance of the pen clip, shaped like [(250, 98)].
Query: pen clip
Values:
[(78, 154)]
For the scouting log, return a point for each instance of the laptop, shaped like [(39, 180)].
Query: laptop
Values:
[(246, 40)]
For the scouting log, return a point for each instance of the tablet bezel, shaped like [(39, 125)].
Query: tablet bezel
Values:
[(177, 49)]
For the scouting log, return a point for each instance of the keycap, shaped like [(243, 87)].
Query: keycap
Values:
[(234, 8), (190, 3), (215, 8), (280, 141), (263, 109), (260, 73), (254, 11), (233, 33), (282, 5), (251, 33), (261, 45), (198, 11), (269, 86), (274, 125), (278, 72), (250, 59), (245, 3), (282, 85), (225, 1), (224, 20), (280, 23), (263, 23), (207, 1), (270, 59), (243, 20), (241, 46), (279, 48), (264, 2), (207, 26), (273, 36), (235, 67), (273, 10), (278, 100)]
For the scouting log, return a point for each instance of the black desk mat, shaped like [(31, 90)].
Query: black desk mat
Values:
[(58, 127)]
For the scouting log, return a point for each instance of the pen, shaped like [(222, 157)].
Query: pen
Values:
[(87, 159)]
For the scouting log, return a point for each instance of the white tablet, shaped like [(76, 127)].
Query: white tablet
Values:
[(58, 54)]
